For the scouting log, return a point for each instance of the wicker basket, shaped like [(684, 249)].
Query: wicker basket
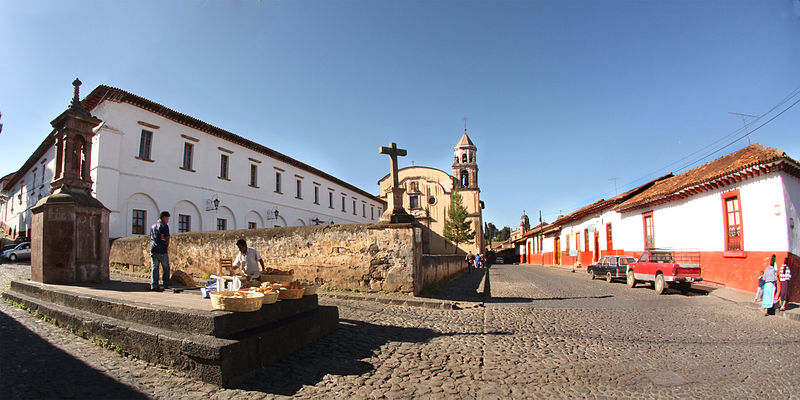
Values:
[(291, 294), (276, 278), (269, 298), (250, 301), (310, 289)]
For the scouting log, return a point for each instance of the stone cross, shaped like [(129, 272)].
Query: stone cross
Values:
[(393, 153), (396, 213)]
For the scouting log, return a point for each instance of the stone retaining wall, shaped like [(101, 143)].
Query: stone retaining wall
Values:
[(368, 258), (435, 268)]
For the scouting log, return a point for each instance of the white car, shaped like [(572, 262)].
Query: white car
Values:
[(21, 252)]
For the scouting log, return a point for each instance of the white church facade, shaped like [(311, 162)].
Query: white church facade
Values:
[(147, 158)]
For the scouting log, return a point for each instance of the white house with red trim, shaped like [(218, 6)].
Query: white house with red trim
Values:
[(581, 237), (736, 211), (148, 158)]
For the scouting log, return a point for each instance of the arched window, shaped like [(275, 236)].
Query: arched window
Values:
[(464, 157), (464, 178), (471, 156)]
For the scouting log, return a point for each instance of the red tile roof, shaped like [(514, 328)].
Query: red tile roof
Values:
[(595, 207), (746, 163), (464, 142)]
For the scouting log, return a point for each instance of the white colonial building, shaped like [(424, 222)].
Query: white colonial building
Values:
[(147, 158), (736, 211)]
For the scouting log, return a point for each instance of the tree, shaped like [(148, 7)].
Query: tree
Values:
[(457, 228), (490, 231), (504, 234)]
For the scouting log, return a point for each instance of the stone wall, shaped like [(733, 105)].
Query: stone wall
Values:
[(436, 268), (354, 257)]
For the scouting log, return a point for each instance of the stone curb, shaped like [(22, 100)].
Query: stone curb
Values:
[(790, 315), (414, 302)]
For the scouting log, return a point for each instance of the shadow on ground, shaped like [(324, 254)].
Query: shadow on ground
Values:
[(32, 368), (340, 353), (500, 300), (466, 287)]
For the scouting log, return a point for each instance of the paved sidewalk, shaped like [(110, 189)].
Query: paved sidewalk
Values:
[(740, 297)]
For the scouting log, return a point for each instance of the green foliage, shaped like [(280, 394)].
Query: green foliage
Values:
[(504, 234), (489, 231), (457, 228), (492, 234)]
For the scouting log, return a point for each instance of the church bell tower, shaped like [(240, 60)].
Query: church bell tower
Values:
[(465, 164), (465, 178)]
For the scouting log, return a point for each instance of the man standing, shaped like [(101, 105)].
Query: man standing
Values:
[(159, 245), (248, 259), (470, 260)]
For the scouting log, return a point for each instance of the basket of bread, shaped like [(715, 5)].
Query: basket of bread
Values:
[(292, 291), (270, 293), (238, 301), (311, 289), (277, 275)]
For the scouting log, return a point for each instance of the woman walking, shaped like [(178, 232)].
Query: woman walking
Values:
[(785, 275), (770, 278)]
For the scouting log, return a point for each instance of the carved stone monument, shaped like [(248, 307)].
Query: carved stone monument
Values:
[(395, 213), (69, 228)]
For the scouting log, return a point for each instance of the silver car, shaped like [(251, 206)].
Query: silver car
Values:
[(21, 252)]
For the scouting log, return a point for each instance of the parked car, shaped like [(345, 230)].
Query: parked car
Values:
[(611, 267), (666, 268), (21, 252), (9, 246)]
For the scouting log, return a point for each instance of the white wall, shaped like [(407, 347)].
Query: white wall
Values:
[(120, 175), (124, 183), (25, 193), (791, 190), (697, 222)]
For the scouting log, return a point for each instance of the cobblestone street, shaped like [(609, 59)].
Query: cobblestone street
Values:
[(546, 333)]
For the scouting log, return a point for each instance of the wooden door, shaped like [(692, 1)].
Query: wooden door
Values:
[(557, 250)]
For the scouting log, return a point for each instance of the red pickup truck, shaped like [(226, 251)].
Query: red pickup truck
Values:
[(666, 268)]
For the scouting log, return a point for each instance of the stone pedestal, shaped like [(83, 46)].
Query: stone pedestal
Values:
[(69, 228), (69, 239), (395, 213)]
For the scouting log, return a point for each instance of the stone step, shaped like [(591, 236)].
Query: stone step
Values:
[(221, 361), (183, 312)]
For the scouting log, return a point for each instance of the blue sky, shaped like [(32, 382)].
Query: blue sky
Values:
[(564, 99)]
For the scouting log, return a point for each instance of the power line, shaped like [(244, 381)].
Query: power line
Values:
[(792, 94), (789, 97)]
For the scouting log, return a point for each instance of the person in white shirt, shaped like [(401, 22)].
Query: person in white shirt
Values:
[(248, 260)]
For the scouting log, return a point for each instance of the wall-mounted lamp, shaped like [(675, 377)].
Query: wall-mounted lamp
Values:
[(213, 203), (272, 213), (791, 223)]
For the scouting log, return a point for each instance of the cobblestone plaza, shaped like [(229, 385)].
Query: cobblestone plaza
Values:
[(545, 333)]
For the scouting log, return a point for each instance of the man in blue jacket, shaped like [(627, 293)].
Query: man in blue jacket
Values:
[(159, 246)]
